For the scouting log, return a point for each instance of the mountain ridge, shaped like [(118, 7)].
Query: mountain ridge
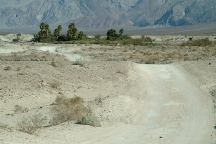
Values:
[(89, 14)]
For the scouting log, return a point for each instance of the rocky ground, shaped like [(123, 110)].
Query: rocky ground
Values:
[(127, 94)]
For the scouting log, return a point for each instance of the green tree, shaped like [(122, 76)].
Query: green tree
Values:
[(72, 32), (80, 35), (57, 32), (71, 25), (121, 31), (111, 34), (44, 34), (47, 30), (44, 30), (42, 26), (41, 33)]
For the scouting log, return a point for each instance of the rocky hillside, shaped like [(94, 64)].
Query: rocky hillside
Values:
[(106, 13)]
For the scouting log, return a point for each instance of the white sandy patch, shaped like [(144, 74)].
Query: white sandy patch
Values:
[(67, 53)]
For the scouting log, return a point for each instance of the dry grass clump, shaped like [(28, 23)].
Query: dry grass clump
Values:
[(151, 59), (32, 124), (138, 42), (78, 63), (120, 72), (18, 69), (20, 109), (73, 109), (63, 110), (53, 63), (54, 85), (4, 126), (199, 42), (7, 68), (213, 92)]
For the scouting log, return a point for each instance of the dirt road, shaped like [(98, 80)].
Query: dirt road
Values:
[(171, 110), (176, 103), (154, 104)]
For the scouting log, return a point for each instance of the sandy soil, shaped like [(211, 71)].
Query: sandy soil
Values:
[(135, 103)]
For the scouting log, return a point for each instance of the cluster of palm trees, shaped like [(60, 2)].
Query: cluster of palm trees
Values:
[(45, 34)]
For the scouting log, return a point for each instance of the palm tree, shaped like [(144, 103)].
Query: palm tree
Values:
[(71, 26), (41, 33), (121, 31), (57, 32), (42, 26), (72, 32), (80, 35), (59, 28), (47, 30)]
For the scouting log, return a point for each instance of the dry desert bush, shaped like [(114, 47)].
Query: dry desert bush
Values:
[(31, 124), (213, 92), (4, 126), (73, 109), (78, 63), (151, 59), (54, 84), (7, 68), (53, 63), (20, 109), (198, 42), (63, 110)]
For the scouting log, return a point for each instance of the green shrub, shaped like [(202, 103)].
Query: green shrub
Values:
[(113, 35), (140, 42), (97, 37)]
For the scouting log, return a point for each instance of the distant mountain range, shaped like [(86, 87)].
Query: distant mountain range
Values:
[(93, 14)]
